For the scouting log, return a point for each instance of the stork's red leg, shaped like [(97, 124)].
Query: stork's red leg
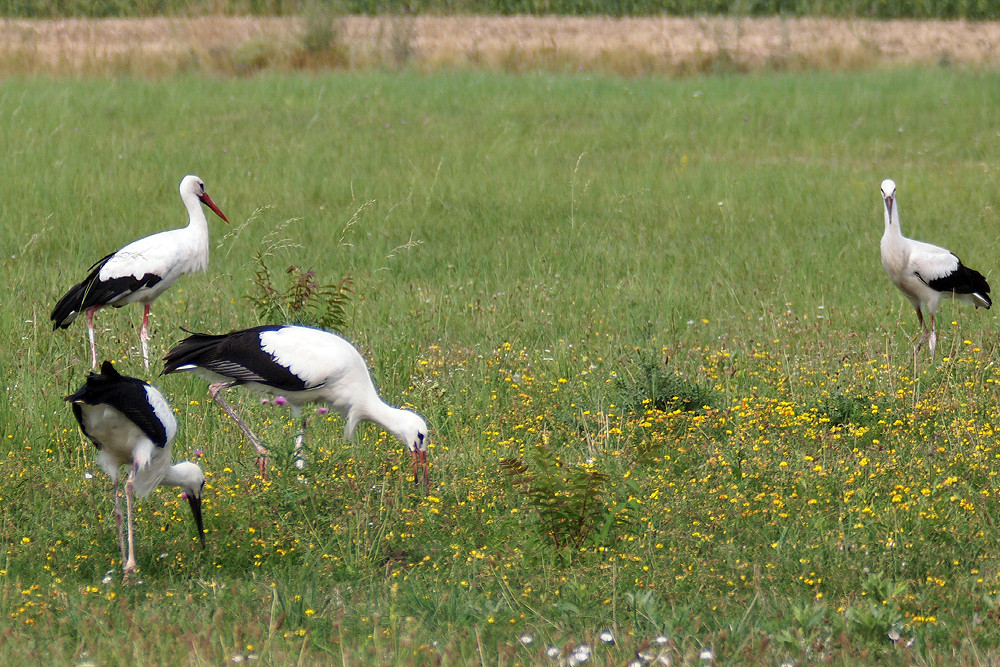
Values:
[(300, 460), (144, 335), (129, 494), (90, 333), (213, 391), (118, 519), (932, 338)]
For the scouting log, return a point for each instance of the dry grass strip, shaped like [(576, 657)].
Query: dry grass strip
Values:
[(673, 46)]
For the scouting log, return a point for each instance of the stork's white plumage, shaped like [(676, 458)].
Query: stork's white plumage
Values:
[(925, 273), (303, 365), (142, 270), (131, 423)]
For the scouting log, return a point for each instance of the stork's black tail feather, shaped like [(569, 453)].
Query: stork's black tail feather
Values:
[(976, 285), (964, 280), (75, 300), (191, 351)]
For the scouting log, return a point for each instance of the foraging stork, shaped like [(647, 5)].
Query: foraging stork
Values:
[(142, 270), (925, 273), (303, 365), (131, 423)]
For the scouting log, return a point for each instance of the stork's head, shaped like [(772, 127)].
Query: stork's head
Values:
[(192, 186), (889, 195), (189, 477), (412, 430)]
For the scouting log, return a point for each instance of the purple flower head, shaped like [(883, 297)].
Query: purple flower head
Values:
[(322, 411), (280, 400)]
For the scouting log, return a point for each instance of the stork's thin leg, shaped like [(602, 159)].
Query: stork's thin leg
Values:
[(932, 337), (923, 333), (129, 493), (144, 335), (118, 518), (213, 391), (93, 345), (300, 460)]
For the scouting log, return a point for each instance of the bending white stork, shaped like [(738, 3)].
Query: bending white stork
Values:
[(142, 270), (303, 365), (925, 273), (131, 423)]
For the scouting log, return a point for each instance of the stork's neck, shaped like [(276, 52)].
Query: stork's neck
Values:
[(196, 234), (891, 211), (376, 411), (196, 215)]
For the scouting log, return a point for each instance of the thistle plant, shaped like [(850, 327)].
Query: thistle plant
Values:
[(304, 300)]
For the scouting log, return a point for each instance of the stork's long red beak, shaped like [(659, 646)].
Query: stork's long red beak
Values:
[(207, 201), (420, 461), (888, 203)]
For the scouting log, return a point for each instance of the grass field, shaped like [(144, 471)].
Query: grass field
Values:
[(673, 287)]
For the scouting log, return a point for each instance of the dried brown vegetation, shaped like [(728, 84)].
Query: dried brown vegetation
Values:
[(674, 46)]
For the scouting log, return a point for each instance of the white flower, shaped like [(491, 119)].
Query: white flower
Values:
[(607, 637), (526, 638)]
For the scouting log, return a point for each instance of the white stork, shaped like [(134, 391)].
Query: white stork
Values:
[(142, 270), (131, 423), (925, 273), (303, 365)]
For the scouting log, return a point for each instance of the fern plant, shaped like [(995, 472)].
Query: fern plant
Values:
[(303, 301), (570, 501), (644, 382)]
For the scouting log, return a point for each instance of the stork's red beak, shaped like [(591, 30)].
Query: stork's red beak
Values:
[(888, 203), (420, 461), (207, 201)]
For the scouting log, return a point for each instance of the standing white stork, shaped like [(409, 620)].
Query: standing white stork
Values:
[(925, 273), (303, 365), (131, 423), (142, 270)]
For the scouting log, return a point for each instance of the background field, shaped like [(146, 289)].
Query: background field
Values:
[(530, 255), (319, 40)]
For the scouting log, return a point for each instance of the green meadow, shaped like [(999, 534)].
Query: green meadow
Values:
[(671, 391)]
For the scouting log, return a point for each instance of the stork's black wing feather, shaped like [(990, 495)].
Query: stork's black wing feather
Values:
[(92, 291), (237, 356), (126, 394), (963, 280)]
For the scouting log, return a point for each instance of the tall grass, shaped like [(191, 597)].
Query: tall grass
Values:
[(515, 243)]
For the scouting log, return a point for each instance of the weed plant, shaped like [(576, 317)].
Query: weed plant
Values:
[(510, 240)]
